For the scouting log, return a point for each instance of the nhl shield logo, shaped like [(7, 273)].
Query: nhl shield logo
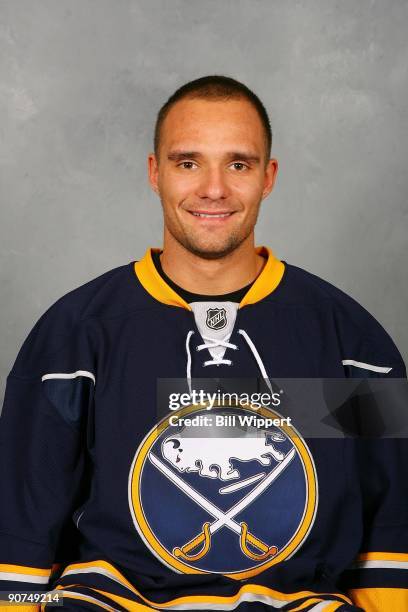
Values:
[(216, 318), (232, 504)]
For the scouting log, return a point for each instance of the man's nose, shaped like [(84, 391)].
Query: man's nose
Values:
[(213, 184)]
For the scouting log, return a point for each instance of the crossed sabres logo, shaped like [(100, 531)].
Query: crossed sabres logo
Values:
[(180, 458)]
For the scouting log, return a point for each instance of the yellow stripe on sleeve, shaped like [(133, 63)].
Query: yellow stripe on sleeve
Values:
[(18, 608), (24, 569), (382, 556), (380, 599)]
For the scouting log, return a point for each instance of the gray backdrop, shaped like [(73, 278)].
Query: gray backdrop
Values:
[(82, 80)]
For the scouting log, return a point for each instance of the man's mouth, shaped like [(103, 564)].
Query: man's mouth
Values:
[(211, 215)]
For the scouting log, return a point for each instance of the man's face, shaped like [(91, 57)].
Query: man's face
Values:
[(212, 174)]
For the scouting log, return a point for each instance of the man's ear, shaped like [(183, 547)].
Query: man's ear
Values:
[(271, 171), (153, 172)]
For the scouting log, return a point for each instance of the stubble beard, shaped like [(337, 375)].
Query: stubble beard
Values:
[(230, 244), (233, 242)]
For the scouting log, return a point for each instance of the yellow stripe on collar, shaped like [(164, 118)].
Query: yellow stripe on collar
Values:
[(267, 281), (154, 284)]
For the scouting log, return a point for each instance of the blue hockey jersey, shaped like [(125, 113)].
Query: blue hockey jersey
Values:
[(105, 500)]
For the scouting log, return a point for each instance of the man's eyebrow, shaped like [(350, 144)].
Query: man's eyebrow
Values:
[(179, 155), (249, 157)]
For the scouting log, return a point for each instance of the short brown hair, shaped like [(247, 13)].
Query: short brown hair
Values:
[(214, 87)]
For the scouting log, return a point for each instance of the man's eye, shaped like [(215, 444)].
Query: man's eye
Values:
[(187, 164), (240, 166)]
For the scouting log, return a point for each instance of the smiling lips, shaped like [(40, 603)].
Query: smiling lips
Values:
[(211, 215)]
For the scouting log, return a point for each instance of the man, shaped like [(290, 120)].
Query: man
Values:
[(165, 516)]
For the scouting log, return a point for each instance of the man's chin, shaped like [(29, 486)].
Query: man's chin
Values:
[(213, 251)]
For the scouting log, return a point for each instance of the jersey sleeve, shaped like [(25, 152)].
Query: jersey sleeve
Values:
[(378, 578), (45, 435)]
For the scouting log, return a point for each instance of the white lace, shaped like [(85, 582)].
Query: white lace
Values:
[(213, 343), (219, 360)]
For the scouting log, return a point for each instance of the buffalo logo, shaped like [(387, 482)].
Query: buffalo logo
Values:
[(216, 318), (186, 455), (233, 501)]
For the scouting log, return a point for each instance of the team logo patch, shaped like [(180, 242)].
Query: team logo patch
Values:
[(216, 318), (234, 499)]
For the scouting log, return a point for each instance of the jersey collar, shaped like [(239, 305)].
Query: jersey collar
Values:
[(267, 281)]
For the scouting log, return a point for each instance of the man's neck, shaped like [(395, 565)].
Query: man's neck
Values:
[(211, 276)]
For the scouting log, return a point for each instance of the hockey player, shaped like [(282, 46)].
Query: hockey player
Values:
[(116, 505)]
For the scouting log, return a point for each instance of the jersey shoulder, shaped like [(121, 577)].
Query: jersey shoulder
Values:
[(360, 333), (111, 294), (304, 287)]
